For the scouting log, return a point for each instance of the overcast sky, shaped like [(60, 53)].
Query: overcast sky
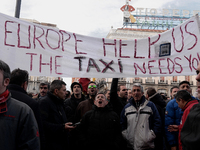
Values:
[(87, 17)]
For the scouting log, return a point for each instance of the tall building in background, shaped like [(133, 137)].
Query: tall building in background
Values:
[(143, 23)]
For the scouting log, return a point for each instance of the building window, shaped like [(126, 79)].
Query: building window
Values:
[(175, 79)]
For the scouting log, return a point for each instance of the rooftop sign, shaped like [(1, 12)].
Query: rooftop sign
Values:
[(152, 18)]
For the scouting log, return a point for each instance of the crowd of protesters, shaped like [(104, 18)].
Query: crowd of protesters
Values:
[(116, 118)]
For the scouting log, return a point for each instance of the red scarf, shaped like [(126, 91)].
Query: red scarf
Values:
[(3, 99)]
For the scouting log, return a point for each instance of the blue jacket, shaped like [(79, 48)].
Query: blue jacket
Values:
[(173, 116), (140, 126)]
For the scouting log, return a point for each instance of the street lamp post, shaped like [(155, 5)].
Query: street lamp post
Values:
[(17, 8)]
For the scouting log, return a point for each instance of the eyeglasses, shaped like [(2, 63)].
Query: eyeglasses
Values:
[(92, 86), (43, 88)]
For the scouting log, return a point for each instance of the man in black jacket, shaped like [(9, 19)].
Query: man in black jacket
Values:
[(56, 125), (100, 127), (160, 104), (72, 103), (190, 136), (118, 96), (18, 86), (18, 127)]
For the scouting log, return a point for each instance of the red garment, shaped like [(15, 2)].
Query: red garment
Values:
[(186, 110), (84, 82), (3, 99)]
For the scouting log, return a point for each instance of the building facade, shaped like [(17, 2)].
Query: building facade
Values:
[(161, 84)]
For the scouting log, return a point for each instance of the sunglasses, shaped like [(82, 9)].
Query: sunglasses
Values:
[(92, 86)]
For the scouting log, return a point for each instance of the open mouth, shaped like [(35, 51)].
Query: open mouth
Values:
[(100, 102)]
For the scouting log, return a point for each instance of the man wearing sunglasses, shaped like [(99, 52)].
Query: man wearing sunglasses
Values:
[(86, 105)]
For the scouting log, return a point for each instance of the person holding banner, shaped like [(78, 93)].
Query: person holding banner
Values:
[(100, 128), (18, 126), (118, 96)]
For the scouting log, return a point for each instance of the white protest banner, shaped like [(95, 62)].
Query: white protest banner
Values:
[(45, 51)]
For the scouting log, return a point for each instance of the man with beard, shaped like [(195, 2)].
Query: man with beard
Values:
[(118, 96), (72, 103), (44, 88), (86, 105)]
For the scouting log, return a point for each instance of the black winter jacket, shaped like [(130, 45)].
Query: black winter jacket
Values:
[(54, 118), (18, 127), (100, 129), (117, 102), (20, 94), (70, 107), (160, 105)]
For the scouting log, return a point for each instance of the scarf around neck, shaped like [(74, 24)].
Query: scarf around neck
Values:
[(3, 99)]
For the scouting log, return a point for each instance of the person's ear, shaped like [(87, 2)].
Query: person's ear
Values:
[(56, 91), (6, 82)]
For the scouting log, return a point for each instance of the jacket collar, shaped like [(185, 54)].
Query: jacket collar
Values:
[(54, 98), (141, 102), (189, 103), (16, 88)]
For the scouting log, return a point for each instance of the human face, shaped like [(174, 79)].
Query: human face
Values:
[(100, 100), (129, 94), (77, 89), (137, 93), (123, 93), (92, 91), (43, 90), (61, 93), (174, 91), (185, 86), (181, 103), (108, 95), (3, 82), (198, 78)]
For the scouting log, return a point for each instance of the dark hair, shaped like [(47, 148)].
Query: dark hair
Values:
[(92, 82), (45, 83), (56, 84), (118, 87), (5, 68), (174, 88), (151, 91), (183, 94), (184, 82), (76, 83), (18, 77), (105, 92)]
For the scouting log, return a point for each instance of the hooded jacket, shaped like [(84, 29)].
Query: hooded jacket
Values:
[(18, 127), (100, 129), (140, 126)]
